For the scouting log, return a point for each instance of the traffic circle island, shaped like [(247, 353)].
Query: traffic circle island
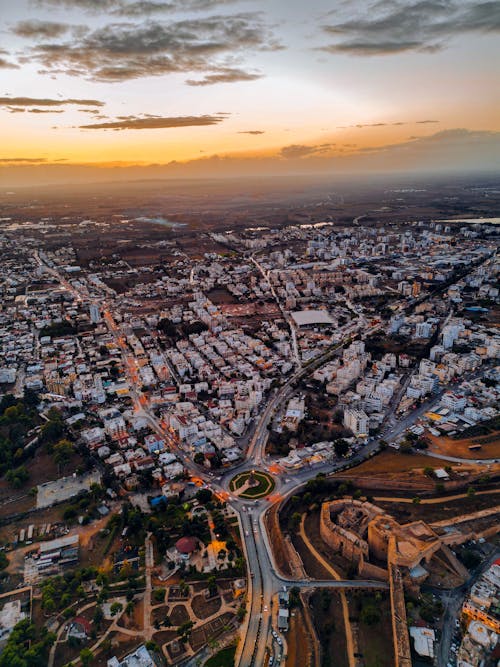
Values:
[(252, 484)]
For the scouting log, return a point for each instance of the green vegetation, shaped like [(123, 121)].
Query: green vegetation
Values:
[(58, 329), (17, 418), (370, 614), (264, 486), (17, 476), (27, 646), (224, 658), (60, 591), (159, 595)]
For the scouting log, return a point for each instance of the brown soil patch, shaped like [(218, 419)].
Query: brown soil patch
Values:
[(210, 630), (388, 462), (299, 653), (121, 644), (159, 613), (179, 615), (328, 619), (204, 608), (164, 636), (490, 446), (407, 512), (276, 539), (374, 641), (340, 564)]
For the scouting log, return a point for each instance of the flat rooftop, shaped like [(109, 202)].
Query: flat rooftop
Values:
[(303, 318)]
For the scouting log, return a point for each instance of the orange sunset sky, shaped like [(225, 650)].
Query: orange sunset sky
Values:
[(273, 85)]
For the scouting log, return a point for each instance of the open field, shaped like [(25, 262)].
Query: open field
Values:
[(407, 512), (224, 658), (326, 610), (41, 468), (298, 640), (375, 643), (405, 472), (490, 446)]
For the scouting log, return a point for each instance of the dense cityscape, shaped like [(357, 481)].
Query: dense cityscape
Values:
[(249, 333), (208, 442)]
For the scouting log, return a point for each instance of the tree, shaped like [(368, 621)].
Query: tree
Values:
[(86, 657), (184, 631), (204, 496), (471, 491), (416, 500), (341, 447), (159, 594), (428, 471), (115, 608), (370, 615), (294, 599), (199, 458), (26, 646), (62, 452), (98, 616), (17, 476), (212, 585)]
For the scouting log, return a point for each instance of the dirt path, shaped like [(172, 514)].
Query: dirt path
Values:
[(432, 501), (351, 649)]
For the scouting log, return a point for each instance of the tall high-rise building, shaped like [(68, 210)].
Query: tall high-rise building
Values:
[(95, 313)]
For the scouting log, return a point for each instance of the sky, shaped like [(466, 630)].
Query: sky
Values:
[(227, 86)]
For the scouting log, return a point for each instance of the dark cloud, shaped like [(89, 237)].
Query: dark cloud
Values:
[(155, 123), (28, 160), (90, 5), (40, 29), (400, 122), (45, 110), (299, 150), (251, 132), (224, 75), (212, 46), (45, 102), (395, 26), (138, 8), (4, 63)]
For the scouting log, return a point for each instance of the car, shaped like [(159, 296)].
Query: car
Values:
[(247, 533), (280, 641), (274, 634), (265, 608)]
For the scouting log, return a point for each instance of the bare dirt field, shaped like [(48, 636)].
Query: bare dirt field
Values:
[(204, 608), (405, 473), (375, 642), (490, 446), (407, 512), (41, 469), (326, 609), (298, 641)]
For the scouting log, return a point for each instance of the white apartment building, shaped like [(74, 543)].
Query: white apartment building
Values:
[(356, 421)]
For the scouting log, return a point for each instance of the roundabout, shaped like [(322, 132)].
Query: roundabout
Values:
[(252, 484)]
